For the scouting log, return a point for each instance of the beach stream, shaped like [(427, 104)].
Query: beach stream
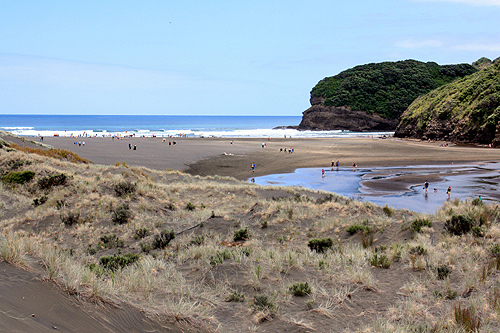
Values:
[(399, 187)]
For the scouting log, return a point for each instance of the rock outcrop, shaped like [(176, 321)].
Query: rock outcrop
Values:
[(319, 117)]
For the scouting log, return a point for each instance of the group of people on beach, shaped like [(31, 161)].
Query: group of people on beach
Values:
[(426, 188), (290, 151), (79, 143)]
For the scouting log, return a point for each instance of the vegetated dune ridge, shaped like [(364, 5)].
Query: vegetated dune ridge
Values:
[(218, 254)]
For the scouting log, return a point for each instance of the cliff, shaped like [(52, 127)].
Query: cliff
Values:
[(467, 110), (372, 97)]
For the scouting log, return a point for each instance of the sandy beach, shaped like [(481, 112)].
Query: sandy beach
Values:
[(217, 156)]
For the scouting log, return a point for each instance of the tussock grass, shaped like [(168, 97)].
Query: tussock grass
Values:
[(189, 279)]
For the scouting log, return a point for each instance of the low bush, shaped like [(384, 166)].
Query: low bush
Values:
[(113, 263), (241, 235), (18, 177), (190, 206), (198, 240), (417, 224), (235, 296), (418, 250), (380, 261), (388, 210), (121, 214), (70, 218), (161, 240), (477, 231), (141, 233), (40, 201), (54, 180), (262, 302), (477, 202), (124, 188), (443, 271), (110, 241), (320, 245), (459, 224), (300, 289), (219, 257)]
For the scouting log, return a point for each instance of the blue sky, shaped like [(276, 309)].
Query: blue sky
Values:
[(218, 57)]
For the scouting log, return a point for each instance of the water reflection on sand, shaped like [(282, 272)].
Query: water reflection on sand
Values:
[(399, 187)]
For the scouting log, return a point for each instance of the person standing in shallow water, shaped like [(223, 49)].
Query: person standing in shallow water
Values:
[(426, 186), (448, 191)]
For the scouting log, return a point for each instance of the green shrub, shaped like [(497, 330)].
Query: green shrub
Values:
[(198, 240), (388, 210), (353, 228), (418, 250), (162, 239), (110, 241), (459, 224), (477, 202), (495, 250), (18, 177), (235, 296), (417, 224), (241, 235), (477, 231), (262, 302), (219, 257), (320, 245), (380, 261), (121, 214), (51, 181), (70, 218), (300, 289), (116, 262), (124, 188), (141, 233), (40, 201), (190, 206), (442, 271), (447, 294), (264, 224)]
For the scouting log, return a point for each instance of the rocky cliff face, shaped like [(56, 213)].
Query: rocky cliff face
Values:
[(319, 117)]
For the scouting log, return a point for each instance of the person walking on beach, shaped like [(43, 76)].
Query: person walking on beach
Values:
[(323, 173), (253, 167), (135, 147), (448, 191), (129, 146), (426, 186)]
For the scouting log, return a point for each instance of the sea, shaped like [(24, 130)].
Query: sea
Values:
[(164, 126)]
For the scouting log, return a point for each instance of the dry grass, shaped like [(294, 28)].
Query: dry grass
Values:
[(190, 280)]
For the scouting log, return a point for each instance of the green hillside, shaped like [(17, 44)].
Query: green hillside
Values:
[(386, 88), (466, 110)]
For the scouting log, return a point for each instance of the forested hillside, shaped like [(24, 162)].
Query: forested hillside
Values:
[(386, 88)]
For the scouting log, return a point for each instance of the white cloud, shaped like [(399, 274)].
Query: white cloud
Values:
[(470, 2), (419, 44), (478, 47)]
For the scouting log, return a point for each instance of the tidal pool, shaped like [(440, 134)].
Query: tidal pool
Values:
[(399, 187)]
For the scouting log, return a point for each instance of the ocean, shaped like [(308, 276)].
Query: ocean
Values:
[(149, 125)]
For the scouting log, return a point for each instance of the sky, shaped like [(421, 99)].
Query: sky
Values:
[(196, 57)]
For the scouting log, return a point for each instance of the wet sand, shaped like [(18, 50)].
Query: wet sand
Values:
[(216, 156)]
